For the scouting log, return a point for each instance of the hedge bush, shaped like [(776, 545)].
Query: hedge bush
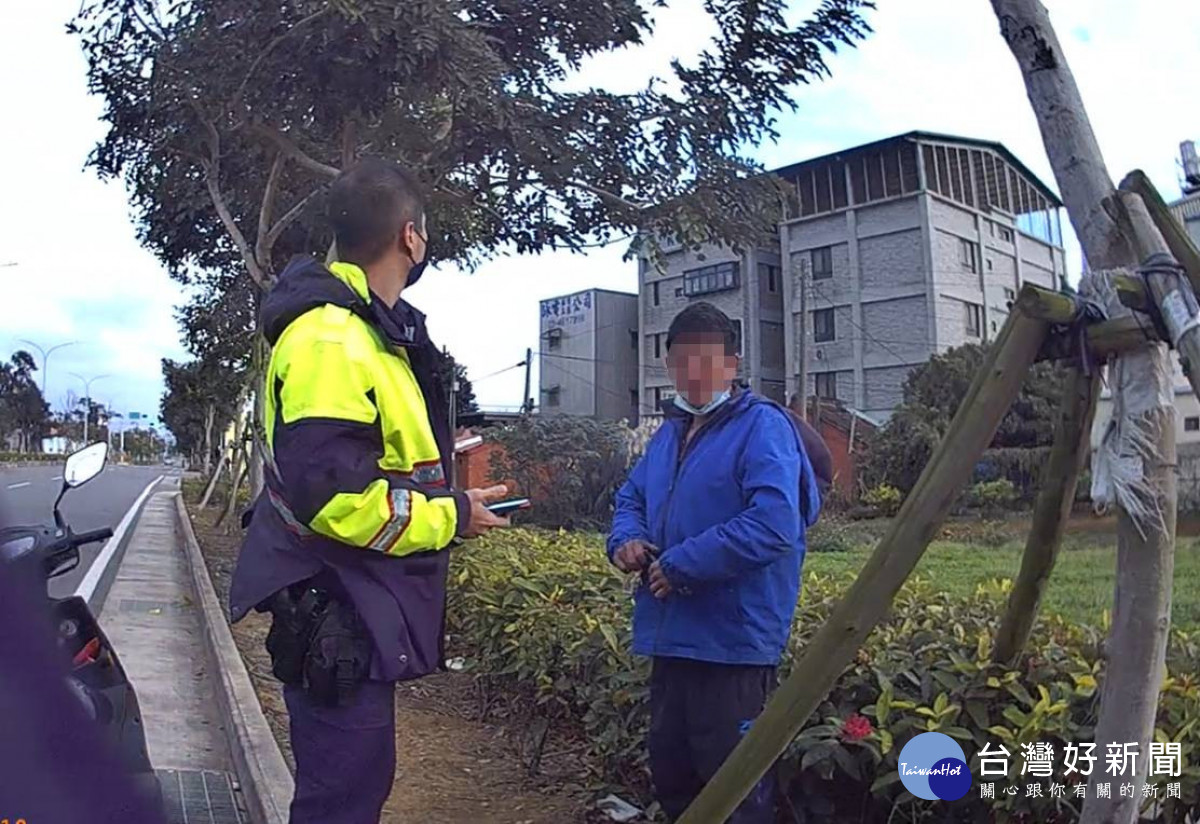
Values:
[(543, 620)]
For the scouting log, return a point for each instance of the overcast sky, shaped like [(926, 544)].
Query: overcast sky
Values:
[(936, 65)]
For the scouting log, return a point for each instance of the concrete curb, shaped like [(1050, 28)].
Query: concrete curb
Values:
[(123, 534), (266, 782)]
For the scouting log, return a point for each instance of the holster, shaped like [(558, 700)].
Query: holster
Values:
[(319, 643)]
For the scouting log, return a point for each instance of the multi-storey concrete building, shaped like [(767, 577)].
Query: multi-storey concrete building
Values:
[(588, 361), (888, 254)]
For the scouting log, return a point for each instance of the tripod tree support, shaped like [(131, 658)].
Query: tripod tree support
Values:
[(826, 656), (1072, 432)]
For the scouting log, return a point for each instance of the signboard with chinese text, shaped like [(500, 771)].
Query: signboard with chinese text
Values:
[(567, 312)]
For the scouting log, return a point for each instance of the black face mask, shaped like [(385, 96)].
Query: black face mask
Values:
[(418, 269)]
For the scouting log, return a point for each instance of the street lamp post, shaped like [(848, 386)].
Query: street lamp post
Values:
[(87, 400), (46, 353)]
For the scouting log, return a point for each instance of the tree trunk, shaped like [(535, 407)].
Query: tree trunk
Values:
[(229, 517), (237, 468), (209, 420), (262, 356), (214, 480), (1141, 612)]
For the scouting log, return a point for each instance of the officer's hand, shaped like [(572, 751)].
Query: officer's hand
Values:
[(632, 556), (483, 519)]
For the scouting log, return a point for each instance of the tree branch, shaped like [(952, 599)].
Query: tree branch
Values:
[(262, 249), (289, 148), (262, 55), (212, 174), (349, 142), (289, 217)]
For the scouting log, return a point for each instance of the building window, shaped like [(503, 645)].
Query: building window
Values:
[(718, 277), (553, 396), (826, 384), (657, 345), (989, 264), (822, 263), (737, 336), (974, 319), (633, 398), (554, 339), (968, 255), (654, 292), (678, 291), (1191, 424), (1010, 294), (824, 327), (1006, 234), (770, 274), (633, 339)]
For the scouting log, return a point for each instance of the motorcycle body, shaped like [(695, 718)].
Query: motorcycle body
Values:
[(95, 675)]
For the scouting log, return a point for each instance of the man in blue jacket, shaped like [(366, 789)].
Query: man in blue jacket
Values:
[(713, 517)]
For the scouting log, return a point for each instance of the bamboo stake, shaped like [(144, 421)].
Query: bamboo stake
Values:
[(1178, 240), (992, 392), (1050, 513)]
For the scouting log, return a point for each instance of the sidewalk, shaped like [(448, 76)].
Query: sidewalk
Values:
[(153, 620)]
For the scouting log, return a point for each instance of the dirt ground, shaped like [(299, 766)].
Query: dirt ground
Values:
[(451, 767)]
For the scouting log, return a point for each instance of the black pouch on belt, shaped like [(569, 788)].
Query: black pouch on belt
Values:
[(338, 659), (295, 612)]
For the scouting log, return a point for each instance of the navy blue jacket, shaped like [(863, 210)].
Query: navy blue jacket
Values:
[(728, 513)]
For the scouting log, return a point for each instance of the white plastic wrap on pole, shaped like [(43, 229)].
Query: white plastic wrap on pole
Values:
[(1141, 382)]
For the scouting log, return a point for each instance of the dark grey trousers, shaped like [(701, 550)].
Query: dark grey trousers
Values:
[(698, 713)]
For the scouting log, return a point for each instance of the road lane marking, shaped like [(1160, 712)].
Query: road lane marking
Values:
[(56, 478), (21, 485), (87, 588)]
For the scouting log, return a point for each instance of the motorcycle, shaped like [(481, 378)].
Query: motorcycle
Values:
[(96, 677)]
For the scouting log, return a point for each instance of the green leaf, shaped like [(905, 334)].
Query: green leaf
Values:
[(961, 733), (611, 637), (978, 711), (886, 742), (818, 754), (1017, 690), (883, 707), (1015, 716), (886, 780)]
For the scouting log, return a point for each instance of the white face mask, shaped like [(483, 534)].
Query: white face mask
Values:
[(717, 400)]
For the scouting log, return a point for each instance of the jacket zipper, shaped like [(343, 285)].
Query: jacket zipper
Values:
[(685, 447)]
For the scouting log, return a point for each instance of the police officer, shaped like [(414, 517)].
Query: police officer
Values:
[(347, 545)]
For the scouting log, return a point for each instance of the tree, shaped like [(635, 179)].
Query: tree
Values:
[(447, 370), (932, 394), (227, 121), (24, 413), (199, 403)]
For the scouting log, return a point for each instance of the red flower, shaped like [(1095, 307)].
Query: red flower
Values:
[(856, 728)]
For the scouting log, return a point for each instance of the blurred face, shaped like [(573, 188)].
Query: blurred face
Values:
[(700, 369)]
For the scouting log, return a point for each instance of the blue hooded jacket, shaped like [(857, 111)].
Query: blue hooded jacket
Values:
[(728, 515)]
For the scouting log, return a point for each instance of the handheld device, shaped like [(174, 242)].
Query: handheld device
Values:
[(504, 508)]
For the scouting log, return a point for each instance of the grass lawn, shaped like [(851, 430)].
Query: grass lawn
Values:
[(1080, 589)]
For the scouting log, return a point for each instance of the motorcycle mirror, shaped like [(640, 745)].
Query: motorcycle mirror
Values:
[(80, 468), (85, 464)]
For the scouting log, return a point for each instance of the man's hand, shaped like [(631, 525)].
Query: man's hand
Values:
[(483, 519), (633, 556), (660, 587)]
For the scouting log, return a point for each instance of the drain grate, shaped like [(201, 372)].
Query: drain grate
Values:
[(200, 797)]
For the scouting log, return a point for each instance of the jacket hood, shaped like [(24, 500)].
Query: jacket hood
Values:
[(305, 284)]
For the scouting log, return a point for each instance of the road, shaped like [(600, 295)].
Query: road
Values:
[(28, 495)]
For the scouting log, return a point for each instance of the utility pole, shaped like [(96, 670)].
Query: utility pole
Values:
[(87, 400), (46, 353), (802, 274), (526, 401)]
